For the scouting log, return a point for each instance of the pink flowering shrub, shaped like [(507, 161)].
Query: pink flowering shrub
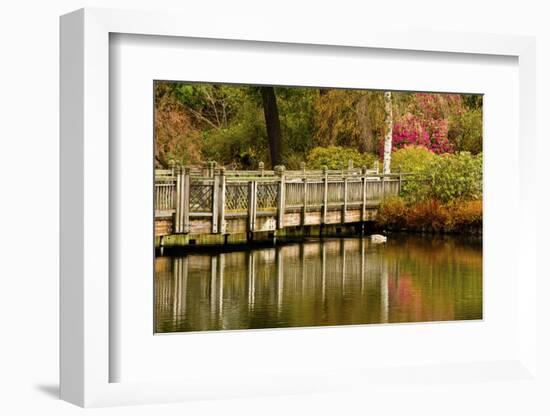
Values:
[(427, 124), (414, 131)]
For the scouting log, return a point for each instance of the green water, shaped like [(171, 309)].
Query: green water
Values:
[(321, 282)]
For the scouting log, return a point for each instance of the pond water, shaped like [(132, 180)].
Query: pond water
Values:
[(321, 282)]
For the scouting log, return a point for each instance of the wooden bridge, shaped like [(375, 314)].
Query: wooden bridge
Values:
[(211, 205)]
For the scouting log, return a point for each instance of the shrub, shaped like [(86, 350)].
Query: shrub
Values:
[(444, 178), (413, 159), (466, 131), (431, 215), (412, 130), (242, 144), (456, 177), (336, 157)]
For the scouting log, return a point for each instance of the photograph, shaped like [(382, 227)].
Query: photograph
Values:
[(300, 206)]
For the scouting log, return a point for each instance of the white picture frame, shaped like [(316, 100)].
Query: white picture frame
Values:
[(86, 356)]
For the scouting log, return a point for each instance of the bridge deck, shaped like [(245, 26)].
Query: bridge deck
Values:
[(214, 204)]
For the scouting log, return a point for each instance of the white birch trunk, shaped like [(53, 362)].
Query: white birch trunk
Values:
[(389, 132)]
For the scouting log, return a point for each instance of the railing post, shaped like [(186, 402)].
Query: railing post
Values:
[(376, 166), (345, 205), (178, 217), (364, 194), (280, 170), (211, 168), (185, 199), (261, 168), (221, 224), (350, 166), (215, 203), (325, 195), (304, 208), (252, 205), (400, 180), (172, 165)]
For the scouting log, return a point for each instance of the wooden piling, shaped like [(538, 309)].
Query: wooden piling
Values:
[(185, 199), (280, 170), (325, 195), (364, 194), (304, 208), (178, 216), (221, 222), (252, 188), (215, 203)]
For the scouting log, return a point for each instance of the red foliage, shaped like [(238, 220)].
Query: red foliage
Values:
[(427, 124)]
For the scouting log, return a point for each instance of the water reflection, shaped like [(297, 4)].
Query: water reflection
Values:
[(330, 282)]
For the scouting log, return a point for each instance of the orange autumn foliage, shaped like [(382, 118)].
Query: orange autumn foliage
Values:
[(432, 216)]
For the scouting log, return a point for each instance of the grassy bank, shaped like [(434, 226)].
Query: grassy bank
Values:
[(432, 216)]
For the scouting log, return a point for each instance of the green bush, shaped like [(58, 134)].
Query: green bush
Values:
[(446, 178), (457, 177), (412, 159), (243, 144), (466, 131), (416, 160), (336, 157)]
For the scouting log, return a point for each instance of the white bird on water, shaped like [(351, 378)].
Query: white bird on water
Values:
[(378, 239)]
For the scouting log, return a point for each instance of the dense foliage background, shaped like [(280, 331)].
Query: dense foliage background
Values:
[(226, 123)]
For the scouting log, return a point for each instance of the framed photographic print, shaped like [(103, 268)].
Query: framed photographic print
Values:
[(277, 213)]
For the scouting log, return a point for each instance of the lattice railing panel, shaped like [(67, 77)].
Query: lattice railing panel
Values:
[(266, 196), (200, 198), (236, 197)]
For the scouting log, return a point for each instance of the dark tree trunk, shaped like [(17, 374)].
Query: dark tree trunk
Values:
[(272, 124)]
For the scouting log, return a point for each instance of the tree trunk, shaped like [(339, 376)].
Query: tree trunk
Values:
[(272, 124), (389, 132)]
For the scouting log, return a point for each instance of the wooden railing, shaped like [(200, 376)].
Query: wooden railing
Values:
[(217, 194)]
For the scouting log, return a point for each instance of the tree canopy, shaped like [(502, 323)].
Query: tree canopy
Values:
[(241, 125)]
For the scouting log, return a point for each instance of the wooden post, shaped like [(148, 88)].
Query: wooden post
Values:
[(400, 180), (215, 203), (376, 167), (304, 208), (252, 187), (303, 168), (185, 200), (178, 217), (221, 222), (350, 166), (325, 195), (261, 168), (345, 205), (172, 164), (364, 194), (280, 170)]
